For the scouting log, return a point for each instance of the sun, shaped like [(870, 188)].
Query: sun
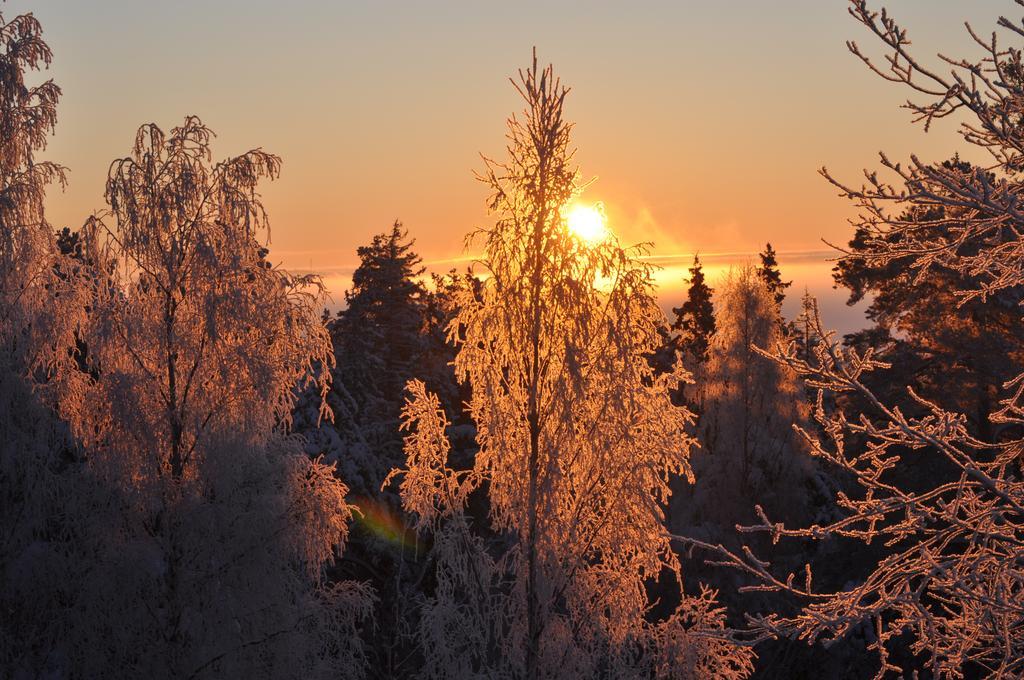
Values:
[(588, 223)]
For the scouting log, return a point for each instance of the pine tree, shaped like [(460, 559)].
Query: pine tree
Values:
[(378, 343), (770, 275), (961, 351), (688, 336), (577, 440), (378, 332), (695, 320)]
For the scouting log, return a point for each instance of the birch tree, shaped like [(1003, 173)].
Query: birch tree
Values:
[(577, 438), (28, 114), (748, 447), (210, 528), (26, 259)]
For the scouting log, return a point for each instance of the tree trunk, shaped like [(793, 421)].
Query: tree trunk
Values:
[(173, 417), (533, 623)]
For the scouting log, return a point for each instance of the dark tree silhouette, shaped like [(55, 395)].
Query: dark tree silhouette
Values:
[(695, 319), (769, 273), (378, 345), (688, 337), (959, 351)]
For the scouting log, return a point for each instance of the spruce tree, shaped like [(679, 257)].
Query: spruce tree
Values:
[(695, 320), (377, 343), (769, 273), (688, 337)]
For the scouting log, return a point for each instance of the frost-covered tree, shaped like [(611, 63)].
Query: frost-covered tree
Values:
[(749, 453), (962, 353), (442, 300), (577, 441), (38, 316), (34, 304), (948, 584), (209, 528), (804, 334), (748, 447), (28, 114)]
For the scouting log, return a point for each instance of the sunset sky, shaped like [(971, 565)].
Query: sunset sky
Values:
[(705, 122)]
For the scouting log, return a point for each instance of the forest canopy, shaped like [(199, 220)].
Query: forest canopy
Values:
[(523, 469)]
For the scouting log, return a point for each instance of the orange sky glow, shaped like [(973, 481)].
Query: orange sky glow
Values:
[(704, 122)]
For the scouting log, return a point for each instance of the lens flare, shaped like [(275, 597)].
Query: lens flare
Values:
[(384, 523), (588, 223)]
